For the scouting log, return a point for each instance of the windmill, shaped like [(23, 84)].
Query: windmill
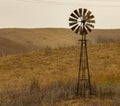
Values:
[(82, 22)]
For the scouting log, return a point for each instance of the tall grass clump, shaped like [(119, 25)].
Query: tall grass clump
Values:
[(52, 94), (35, 95), (107, 39)]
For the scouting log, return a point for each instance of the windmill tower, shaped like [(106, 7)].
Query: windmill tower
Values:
[(82, 22)]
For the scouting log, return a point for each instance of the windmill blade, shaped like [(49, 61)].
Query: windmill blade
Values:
[(88, 14), (84, 12), (72, 19), (90, 25), (90, 17), (88, 28), (73, 23), (77, 30), (73, 28), (80, 12), (84, 30), (74, 16), (91, 21), (76, 12)]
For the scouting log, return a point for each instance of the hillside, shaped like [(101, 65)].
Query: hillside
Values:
[(44, 67), (49, 76), (14, 40)]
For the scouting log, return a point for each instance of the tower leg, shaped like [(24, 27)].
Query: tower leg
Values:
[(89, 81), (84, 83), (80, 61)]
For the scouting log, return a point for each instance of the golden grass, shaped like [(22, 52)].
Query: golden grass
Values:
[(39, 37), (19, 40), (87, 102), (61, 64), (49, 66), (48, 76)]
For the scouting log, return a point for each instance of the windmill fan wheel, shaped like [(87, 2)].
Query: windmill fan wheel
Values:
[(81, 21)]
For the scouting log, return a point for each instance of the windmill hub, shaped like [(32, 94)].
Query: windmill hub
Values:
[(83, 21)]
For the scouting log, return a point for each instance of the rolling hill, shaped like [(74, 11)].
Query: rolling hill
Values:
[(13, 40), (47, 76)]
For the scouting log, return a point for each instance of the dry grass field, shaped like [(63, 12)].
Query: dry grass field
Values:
[(47, 76), (15, 40)]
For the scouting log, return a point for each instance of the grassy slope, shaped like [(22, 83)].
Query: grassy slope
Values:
[(61, 63), (10, 47), (49, 66), (20, 40), (39, 37)]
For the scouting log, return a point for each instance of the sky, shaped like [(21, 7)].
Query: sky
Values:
[(55, 13)]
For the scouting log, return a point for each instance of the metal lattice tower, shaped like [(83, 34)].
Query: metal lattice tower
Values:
[(81, 22)]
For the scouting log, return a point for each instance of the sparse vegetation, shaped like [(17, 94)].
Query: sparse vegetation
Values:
[(34, 95), (21, 40), (107, 38), (47, 76), (56, 93)]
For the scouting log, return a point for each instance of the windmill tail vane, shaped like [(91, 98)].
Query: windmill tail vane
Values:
[(81, 21)]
